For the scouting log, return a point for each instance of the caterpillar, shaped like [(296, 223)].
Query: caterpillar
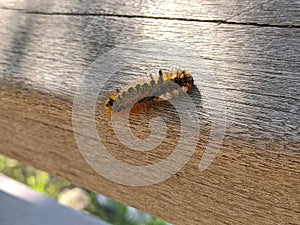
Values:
[(143, 95)]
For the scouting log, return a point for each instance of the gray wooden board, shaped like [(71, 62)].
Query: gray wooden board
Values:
[(268, 12), (257, 68), (253, 180), (21, 205)]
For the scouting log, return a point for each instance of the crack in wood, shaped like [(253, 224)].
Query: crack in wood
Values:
[(217, 21)]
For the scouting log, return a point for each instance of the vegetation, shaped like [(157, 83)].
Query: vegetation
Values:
[(97, 205)]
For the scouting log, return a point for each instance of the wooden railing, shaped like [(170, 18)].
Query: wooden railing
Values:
[(248, 60)]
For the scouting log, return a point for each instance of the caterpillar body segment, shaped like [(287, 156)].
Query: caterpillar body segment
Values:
[(142, 96)]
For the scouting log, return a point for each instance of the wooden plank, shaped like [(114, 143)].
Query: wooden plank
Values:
[(272, 13), (21, 205), (255, 177)]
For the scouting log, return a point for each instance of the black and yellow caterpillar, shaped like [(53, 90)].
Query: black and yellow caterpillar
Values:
[(165, 87)]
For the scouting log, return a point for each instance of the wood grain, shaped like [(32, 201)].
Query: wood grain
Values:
[(267, 13), (255, 177)]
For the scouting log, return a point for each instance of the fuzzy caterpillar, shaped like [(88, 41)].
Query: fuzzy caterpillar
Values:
[(143, 95)]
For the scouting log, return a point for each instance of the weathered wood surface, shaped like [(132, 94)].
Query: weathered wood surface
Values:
[(266, 13), (255, 177), (21, 205)]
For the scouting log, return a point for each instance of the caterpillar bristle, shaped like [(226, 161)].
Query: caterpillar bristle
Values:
[(144, 95)]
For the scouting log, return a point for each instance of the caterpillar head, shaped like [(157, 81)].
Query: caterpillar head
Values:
[(184, 79)]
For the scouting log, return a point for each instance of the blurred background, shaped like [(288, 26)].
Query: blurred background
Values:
[(75, 197)]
